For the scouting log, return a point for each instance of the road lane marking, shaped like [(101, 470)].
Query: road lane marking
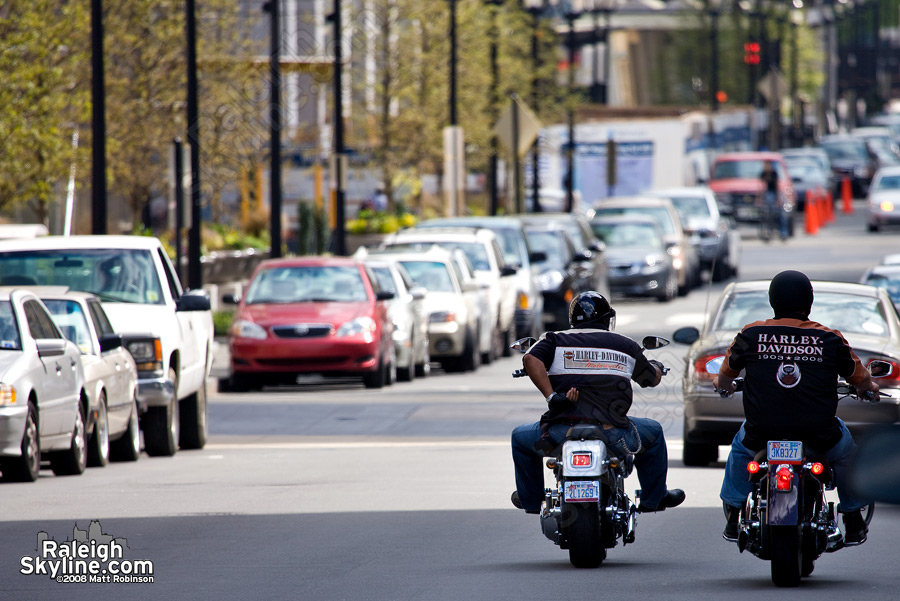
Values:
[(673, 446)]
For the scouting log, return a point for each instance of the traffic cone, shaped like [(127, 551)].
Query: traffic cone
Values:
[(811, 217), (820, 208), (829, 206), (847, 196)]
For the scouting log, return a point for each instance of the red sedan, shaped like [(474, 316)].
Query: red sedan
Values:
[(311, 315)]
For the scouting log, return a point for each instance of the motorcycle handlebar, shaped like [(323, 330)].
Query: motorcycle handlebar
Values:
[(844, 389)]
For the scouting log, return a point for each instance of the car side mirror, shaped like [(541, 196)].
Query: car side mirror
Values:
[(686, 335), (417, 292), (231, 299), (598, 247), (194, 300), (385, 295), (51, 347), (508, 270), (109, 342), (713, 366), (880, 369), (471, 286), (582, 256), (538, 256)]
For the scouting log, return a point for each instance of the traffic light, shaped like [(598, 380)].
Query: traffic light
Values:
[(751, 53), (721, 97)]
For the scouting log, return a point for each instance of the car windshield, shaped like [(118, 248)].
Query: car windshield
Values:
[(806, 171), (114, 275), (510, 244), (552, 244), (431, 275), (9, 331), (743, 169), (70, 317), (476, 252), (627, 235), (887, 182), (691, 206), (890, 282), (660, 214), (849, 313), (846, 149), (307, 284)]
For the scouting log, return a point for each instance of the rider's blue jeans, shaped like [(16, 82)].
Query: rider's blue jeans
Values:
[(736, 485), (652, 463)]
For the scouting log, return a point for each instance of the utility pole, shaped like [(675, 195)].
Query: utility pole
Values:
[(98, 122), (195, 274), (339, 164), (274, 127)]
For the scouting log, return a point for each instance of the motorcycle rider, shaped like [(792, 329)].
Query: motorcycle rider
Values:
[(585, 373), (791, 395)]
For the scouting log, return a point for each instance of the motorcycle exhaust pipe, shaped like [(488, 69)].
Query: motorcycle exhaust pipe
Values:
[(550, 524)]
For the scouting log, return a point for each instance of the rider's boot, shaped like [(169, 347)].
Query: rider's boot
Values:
[(732, 519), (855, 529)]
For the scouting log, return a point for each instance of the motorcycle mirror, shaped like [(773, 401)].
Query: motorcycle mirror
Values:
[(714, 365), (654, 342), (523, 344), (880, 369)]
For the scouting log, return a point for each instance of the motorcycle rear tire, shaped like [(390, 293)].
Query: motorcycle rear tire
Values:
[(586, 548), (784, 543)]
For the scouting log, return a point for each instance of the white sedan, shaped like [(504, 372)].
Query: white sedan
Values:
[(883, 204), (110, 374)]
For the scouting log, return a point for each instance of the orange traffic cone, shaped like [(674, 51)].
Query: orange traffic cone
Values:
[(811, 215), (829, 206), (820, 207), (847, 196)]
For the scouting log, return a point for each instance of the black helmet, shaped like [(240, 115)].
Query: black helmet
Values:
[(791, 295), (591, 309)]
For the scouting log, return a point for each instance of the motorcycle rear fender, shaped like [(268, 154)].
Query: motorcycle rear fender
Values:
[(596, 448), (782, 507)]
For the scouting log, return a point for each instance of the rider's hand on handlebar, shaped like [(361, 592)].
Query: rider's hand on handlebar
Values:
[(870, 394), (724, 393)]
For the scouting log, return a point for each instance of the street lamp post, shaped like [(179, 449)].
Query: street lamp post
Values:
[(535, 8), (573, 10)]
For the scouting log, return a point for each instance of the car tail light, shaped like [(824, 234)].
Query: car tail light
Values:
[(753, 467), (581, 459), (895, 373), (700, 366), (783, 478), (817, 468)]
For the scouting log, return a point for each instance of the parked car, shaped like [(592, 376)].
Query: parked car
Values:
[(678, 244), (883, 202), (140, 292), (407, 313), (809, 179), (591, 250), (850, 158), (887, 277), (484, 252), (714, 237), (110, 373), (639, 264), (812, 153), (562, 275), (863, 314), (311, 315), (41, 416), (511, 236), (456, 304), (735, 180), (880, 143)]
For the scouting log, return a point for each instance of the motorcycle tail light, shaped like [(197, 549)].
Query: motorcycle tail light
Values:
[(753, 467), (817, 468), (783, 478), (581, 460)]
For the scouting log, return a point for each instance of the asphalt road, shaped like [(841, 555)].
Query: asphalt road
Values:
[(333, 492)]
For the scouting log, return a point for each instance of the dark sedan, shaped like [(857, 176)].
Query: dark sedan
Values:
[(636, 253), (850, 158), (562, 275), (863, 314)]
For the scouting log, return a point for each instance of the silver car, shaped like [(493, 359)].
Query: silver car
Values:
[(110, 375), (863, 314), (883, 203), (43, 404), (407, 311)]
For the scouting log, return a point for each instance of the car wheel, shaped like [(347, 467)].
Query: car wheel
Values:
[(376, 378), (699, 454), (160, 425), (873, 227), (509, 339), (193, 417), (73, 460), (98, 446), (27, 466), (471, 358), (128, 446)]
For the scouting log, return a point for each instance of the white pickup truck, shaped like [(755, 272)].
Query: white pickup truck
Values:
[(141, 293)]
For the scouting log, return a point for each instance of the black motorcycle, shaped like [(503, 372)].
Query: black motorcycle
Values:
[(787, 519), (588, 511)]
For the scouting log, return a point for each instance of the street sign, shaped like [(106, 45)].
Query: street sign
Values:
[(529, 127), (773, 86)]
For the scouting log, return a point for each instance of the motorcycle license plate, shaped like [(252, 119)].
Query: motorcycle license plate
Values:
[(785, 451), (582, 491)]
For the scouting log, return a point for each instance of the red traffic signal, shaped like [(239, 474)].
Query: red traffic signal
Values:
[(751, 53)]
